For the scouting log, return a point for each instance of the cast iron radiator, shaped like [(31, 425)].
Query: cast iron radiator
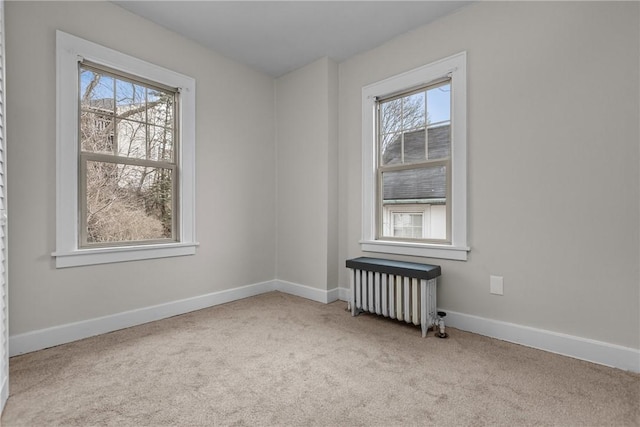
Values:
[(405, 291)]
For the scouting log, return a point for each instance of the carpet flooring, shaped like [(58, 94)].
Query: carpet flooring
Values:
[(276, 359)]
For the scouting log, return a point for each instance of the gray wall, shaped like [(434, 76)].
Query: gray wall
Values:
[(235, 171), (553, 107), (307, 185)]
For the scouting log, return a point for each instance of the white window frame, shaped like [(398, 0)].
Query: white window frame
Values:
[(69, 51), (455, 68)]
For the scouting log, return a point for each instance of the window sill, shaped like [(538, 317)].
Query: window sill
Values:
[(416, 249), (95, 256)]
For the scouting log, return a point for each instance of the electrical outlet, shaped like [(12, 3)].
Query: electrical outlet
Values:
[(496, 285)]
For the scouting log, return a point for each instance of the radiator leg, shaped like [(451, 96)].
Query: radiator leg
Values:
[(424, 318), (441, 333)]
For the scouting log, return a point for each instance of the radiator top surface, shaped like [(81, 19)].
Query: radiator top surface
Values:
[(402, 268)]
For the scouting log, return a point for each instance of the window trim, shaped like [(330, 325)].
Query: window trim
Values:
[(454, 67), (69, 51)]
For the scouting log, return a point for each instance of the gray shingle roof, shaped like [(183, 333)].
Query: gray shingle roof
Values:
[(418, 183)]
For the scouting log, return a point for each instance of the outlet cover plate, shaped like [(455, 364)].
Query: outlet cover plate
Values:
[(496, 285)]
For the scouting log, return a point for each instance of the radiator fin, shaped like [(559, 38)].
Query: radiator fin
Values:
[(398, 297)]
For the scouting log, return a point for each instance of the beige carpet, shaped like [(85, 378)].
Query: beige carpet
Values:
[(276, 359)]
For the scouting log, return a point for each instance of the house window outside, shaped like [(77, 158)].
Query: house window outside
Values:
[(414, 221), (414, 162), (127, 159), (408, 224), (125, 174)]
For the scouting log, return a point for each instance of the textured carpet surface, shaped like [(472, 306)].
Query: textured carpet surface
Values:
[(276, 359)]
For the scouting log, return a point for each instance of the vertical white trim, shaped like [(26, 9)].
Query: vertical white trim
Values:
[(4, 284)]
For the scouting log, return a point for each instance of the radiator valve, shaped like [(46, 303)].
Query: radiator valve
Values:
[(441, 333)]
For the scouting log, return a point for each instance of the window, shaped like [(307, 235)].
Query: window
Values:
[(125, 159), (414, 162), (414, 157)]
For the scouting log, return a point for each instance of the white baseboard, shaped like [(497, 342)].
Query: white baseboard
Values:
[(344, 294), (599, 352), (581, 348), (307, 292), (4, 393), (590, 350), (49, 337)]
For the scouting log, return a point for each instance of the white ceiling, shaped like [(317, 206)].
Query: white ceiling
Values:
[(276, 37)]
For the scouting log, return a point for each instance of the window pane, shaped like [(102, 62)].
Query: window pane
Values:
[(414, 146), (132, 139), (160, 108), (139, 141), (131, 101), (413, 111), (96, 91), (160, 144), (391, 149), (439, 104), (127, 203), (415, 184), (439, 141), (96, 132), (391, 117)]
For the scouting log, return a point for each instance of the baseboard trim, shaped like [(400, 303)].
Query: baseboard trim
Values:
[(50, 337), (62, 334), (307, 292), (4, 393), (580, 348), (344, 294), (600, 352)]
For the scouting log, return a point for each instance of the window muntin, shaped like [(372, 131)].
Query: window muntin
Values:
[(127, 154), (414, 158)]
